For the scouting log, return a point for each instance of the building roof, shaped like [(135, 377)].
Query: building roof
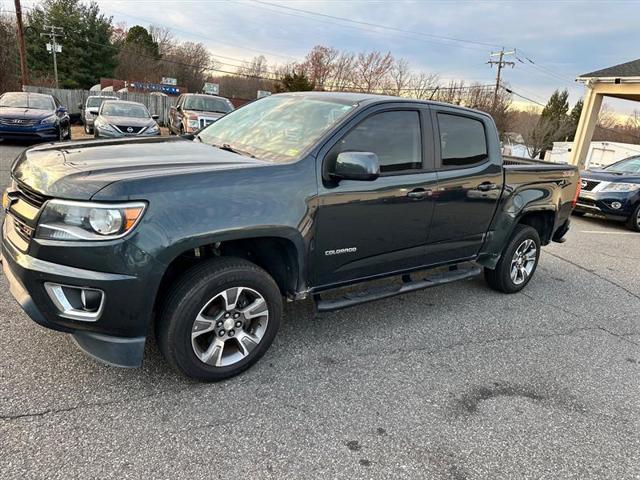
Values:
[(628, 69)]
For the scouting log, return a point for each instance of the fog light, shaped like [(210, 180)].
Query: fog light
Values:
[(616, 205), (77, 303)]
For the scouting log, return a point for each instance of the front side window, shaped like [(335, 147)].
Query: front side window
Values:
[(393, 136), (277, 128), (462, 140), (97, 101)]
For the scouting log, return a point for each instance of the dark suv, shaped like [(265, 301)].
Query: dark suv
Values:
[(613, 192)]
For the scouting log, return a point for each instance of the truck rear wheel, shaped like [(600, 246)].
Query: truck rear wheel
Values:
[(219, 319), (518, 261)]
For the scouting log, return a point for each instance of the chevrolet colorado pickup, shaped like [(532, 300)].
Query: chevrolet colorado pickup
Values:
[(291, 196)]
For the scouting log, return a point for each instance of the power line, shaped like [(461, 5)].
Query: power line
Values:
[(376, 25), (501, 63)]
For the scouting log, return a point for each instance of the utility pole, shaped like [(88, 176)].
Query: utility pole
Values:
[(500, 63), (53, 32), (21, 48)]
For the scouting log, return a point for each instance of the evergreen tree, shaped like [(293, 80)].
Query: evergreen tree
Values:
[(295, 82), (555, 123)]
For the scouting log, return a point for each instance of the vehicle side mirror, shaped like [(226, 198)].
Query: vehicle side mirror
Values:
[(93, 111), (62, 109), (179, 108), (363, 166), (155, 117)]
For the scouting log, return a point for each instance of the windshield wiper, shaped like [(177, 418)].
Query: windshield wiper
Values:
[(229, 148)]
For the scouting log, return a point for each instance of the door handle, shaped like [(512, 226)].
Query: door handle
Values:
[(486, 186), (419, 193)]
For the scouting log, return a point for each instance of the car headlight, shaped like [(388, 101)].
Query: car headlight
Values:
[(102, 125), (621, 187), (50, 120), (193, 123), (68, 220), (153, 129)]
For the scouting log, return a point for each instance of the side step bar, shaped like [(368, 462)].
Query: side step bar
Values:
[(408, 285)]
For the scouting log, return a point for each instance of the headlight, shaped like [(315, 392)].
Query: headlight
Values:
[(193, 123), (102, 125), (67, 220), (49, 120), (621, 187), (153, 129)]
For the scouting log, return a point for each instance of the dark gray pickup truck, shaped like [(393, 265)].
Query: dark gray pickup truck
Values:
[(291, 196)]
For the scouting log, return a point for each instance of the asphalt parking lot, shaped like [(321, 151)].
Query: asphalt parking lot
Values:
[(456, 382)]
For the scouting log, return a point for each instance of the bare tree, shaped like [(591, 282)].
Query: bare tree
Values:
[(371, 69), (400, 75), (343, 71), (424, 86), (319, 64)]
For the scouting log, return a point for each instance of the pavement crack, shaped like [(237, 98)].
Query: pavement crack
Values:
[(593, 272), (549, 304), (621, 336)]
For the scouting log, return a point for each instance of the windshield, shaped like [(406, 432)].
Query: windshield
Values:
[(629, 165), (276, 128), (123, 109), (24, 100), (97, 101), (208, 104)]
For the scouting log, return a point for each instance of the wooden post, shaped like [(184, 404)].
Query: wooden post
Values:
[(21, 47)]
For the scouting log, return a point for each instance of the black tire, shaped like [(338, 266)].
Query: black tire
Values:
[(578, 213), (87, 129), (634, 220), (68, 137), (500, 279), (191, 293)]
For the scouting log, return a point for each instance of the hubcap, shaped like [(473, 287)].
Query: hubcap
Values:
[(523, 261), (230, 326)]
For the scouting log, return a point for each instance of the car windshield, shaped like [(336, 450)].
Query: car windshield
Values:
[(276, 128), (24, 100), (629, 165), (123, 109), (207, 104), (97, 101)]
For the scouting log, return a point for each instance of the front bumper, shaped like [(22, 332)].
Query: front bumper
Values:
[(33, 133), (600, 203), (117, 337)]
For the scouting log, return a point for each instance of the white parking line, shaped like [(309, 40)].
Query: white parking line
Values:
[(608, 232)]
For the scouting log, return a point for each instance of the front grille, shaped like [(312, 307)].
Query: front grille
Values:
[(22, 229), (19, 122), (126, 129), (205, 121), (588, 185), (30, 196)]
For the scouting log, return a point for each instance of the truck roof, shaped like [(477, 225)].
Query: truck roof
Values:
[(356, 97)]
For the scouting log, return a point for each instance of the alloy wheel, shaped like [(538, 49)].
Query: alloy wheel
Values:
[(523, 261), (230, 326)]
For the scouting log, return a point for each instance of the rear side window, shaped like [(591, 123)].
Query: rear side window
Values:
[(462, 140), (393, 136)]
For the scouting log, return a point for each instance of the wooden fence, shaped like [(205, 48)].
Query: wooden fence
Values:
[(157, 104)]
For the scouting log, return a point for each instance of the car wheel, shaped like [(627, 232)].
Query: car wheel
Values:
[(219, 319), (68, 136), (60, 134), (634, 220), (87, 129), (518, 261)]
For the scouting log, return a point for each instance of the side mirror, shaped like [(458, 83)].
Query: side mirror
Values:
[(62, 109), (179, 108), (93, 111), (155, 117), (363, 166)]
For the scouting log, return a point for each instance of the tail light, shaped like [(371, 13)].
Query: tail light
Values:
[(578, 189)]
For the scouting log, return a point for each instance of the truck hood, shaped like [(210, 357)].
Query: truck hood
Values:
[(78, 170), (608, 176)]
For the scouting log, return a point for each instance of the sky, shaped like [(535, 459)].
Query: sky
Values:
[(555, 41)]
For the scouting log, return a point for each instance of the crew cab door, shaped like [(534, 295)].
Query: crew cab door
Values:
[(366, 228), (470, 178)]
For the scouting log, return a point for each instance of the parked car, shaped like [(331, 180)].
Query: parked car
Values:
[(92, 103), (33, 116), (613, 192), (290, 196), (195, 111), (124, 119)]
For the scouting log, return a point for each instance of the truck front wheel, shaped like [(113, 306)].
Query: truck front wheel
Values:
[(518, 262), (219, 319)]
